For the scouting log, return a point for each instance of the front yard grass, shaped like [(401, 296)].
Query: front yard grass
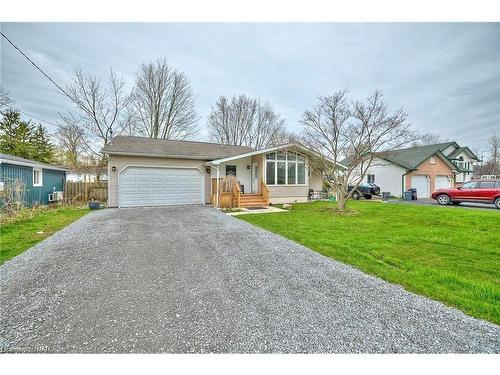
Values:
[(20, 233), (450, 255)]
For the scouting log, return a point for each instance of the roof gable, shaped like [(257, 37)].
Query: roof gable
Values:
[(412, 157), (458, 151)]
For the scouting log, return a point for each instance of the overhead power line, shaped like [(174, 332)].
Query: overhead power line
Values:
[(32, 116), (37, 67)]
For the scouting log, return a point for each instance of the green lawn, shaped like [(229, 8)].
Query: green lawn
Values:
[(448, 254), (19, 234)]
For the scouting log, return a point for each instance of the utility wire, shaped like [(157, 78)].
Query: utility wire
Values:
[(30, 115), (37, 67)]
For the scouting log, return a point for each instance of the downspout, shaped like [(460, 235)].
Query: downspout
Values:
[(403, 184)]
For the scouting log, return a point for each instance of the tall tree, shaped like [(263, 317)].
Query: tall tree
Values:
[(245, 121), (162, 103), (491, 166), (348, 136), (4, 99), (24, 139), (15, 135), (494, 148), (43, 149), (428, 139), (71, 140), (102, 107)]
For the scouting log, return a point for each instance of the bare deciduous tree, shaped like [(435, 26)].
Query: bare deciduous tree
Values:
[(492, 165), (244, 121), (102, 108), (348, 136), (428, 139), (71, 139), (162, 103), (4, 98), (494, 148)]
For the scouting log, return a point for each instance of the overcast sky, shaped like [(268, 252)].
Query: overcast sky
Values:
[(446, 76)]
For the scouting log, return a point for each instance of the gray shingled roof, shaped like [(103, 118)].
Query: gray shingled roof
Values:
[(455, 153), (128, 145), (16, 160), (412, 157)]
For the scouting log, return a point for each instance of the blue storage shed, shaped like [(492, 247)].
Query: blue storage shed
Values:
[(39, 179)]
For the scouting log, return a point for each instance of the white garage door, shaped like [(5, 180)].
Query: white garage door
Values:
[(442, 182), (421, 183), (143, 186)]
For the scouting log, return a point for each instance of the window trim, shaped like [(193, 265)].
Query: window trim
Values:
[(368, 178), (40, 177), (296, 162)]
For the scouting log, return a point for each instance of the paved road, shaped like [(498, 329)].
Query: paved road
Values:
[(469, 205), (192, 279)]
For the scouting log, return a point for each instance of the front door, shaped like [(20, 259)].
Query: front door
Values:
[(255, 177)]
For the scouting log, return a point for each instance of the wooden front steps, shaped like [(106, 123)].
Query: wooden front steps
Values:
[(252, 200)]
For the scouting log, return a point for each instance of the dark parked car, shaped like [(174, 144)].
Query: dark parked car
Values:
[(366, 190), (478, 191)]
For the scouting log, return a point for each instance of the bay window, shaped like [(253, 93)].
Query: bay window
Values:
[(285, 168)]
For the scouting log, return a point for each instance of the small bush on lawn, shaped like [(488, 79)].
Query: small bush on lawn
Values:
[(13, 197)]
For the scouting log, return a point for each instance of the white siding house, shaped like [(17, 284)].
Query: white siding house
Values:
[(387, 175), (465, 163)]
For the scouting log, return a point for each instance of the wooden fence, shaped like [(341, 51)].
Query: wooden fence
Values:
[(85, 191)]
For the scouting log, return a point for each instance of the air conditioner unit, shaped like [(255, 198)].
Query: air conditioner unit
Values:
[(56, 196)]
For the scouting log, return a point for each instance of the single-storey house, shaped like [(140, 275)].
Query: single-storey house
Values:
[(40, 180), (425, 168), (154, 172)]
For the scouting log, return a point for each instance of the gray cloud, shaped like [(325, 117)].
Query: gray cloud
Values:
[(446, 76)]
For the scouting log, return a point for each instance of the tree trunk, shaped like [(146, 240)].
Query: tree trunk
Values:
[(342, 201)]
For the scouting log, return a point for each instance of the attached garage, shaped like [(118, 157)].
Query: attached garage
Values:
[(160, 186), (422, 184), (442, 182)]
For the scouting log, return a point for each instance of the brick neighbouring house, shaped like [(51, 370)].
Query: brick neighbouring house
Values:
[(425, 168)]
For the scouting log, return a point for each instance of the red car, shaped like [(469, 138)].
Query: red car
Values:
[(478, 191)]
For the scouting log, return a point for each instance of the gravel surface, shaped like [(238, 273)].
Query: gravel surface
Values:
[(192, 279)]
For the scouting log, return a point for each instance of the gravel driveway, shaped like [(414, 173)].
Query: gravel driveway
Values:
[(192, 279)]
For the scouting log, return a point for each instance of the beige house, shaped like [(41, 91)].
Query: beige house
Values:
[(152, 172)]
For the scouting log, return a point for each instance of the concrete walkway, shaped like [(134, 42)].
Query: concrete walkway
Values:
[(193, 279)]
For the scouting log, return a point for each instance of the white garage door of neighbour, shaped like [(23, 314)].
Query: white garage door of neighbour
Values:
[(143, 186), (442, 182), (421, 183)]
